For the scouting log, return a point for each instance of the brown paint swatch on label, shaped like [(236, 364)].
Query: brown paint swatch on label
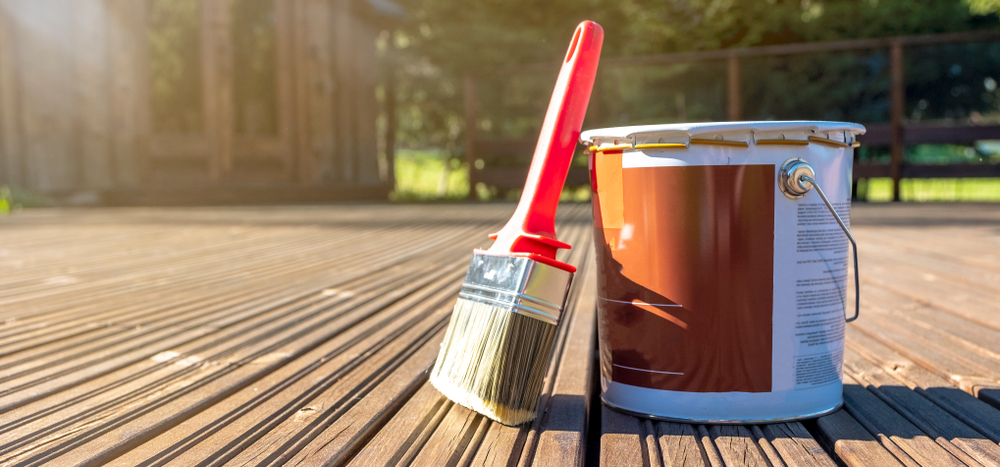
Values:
[(686, 286), (608, 168)]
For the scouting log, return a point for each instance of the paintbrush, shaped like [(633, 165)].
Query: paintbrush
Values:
[(496, 351)]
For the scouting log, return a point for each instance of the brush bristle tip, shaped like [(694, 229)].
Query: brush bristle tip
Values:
[(493, 361)]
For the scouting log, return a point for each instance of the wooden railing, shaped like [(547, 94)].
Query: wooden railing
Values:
[(896, 134)]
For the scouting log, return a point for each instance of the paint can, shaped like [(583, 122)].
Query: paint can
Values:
[(722, 253)]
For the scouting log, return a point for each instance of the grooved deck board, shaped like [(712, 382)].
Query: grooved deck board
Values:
[(303, 335)]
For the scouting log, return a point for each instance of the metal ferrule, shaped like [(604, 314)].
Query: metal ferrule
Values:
[(519, 285)]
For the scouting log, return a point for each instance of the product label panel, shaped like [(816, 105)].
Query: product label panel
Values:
[(820, 293), (685, 265)]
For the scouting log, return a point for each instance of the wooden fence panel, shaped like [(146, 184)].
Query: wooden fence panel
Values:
[(345, 91), (365, 81), (11, 160), (92, 99), (314, 60), (47, 105), (126, 28)]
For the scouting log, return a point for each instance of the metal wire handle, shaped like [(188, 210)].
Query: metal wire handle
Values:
[(857, 283)]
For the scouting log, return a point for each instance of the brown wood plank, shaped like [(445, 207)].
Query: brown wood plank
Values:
[(145, 320), (447, 444), (501, 446), (946, 231), (573, 234), (971, 370), (652, 444), (381, 401), (303, 336), (288, 417), (853, 445), (477, 434), (957, 438), (974, 412), (562, 440), (232, 377), (736, 445), (275, 253), (963, 337), (955, 233), (881, 419), (933, 288), (795, 445), (468, 247), (709, 446), (622, 440), (989, 395), (765, 446), (253, 358), (333, 427), (934, 259), (140, 261), (733, 97), (419, 415), (930, 133), (680, 445)]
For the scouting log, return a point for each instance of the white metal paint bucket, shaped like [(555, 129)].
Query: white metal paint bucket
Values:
[(722, 271)]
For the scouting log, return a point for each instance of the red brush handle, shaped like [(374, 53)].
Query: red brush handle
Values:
[(531, 231)]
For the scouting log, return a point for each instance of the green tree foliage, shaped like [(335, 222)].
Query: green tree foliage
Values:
[(984, 7), (461, 35), (447, 38)]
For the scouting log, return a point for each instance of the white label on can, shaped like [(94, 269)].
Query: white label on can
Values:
[(820, 293)]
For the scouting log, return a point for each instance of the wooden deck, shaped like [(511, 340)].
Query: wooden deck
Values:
[(303, 336)]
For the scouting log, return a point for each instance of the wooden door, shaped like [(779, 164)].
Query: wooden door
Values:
[(220, 92)]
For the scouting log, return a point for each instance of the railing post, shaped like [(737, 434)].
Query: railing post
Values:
[(471, 129), (734, 87), (898, 94)]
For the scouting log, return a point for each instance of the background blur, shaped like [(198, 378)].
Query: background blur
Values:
[(264, 101)]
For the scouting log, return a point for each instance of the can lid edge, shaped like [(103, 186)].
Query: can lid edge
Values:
[(696, 129)]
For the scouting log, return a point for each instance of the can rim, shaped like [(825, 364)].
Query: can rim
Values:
[(724, 422), (715, 128)]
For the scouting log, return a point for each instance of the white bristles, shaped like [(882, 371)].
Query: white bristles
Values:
[(493, 361)]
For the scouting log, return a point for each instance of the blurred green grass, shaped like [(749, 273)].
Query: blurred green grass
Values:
[(430, 175), (932, 189), (14, 199)]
